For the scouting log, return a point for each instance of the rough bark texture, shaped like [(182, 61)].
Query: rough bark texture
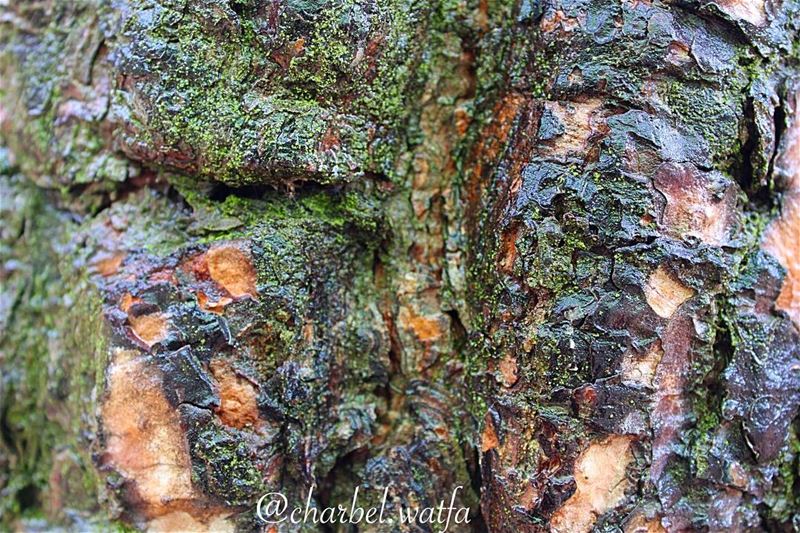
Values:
[(548, 251)]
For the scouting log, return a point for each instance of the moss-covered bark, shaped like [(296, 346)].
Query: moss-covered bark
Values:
[(544, 251), (622, 192)]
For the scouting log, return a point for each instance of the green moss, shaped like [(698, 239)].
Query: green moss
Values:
[(55, 356), (711, 111), (222, 466), (707, 419), (254, 110), (784, 500), (58, 142)]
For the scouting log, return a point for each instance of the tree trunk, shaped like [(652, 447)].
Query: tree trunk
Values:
[(547, 252)]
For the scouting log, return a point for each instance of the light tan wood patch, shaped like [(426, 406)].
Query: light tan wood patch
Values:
[(600, 476), (232, 269), (639, 523), (151, 328), (582, 121), (425, 328), (752, 11), (107, 264), (664, 293), (144, 441), (127, 300), (783, 241), (180, 521), (489, 440), (508, 370), (641, 369), (238, 397)]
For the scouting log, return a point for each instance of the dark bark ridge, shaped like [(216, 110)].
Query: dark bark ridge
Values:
[(629, 315)]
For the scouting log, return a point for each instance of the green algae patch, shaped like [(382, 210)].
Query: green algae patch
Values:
[(53, 361), (242, 95)]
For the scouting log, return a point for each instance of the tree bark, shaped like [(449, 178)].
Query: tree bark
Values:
[(547, 252)]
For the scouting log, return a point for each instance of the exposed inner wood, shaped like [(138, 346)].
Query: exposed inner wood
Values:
[(508, 370), (150, 328), (489, 440), (183, 521), (145, 443), (238, 397), (694, 205), (601, 484), (664, 293), (107, 264), (639, 523), (232, 269), (641, 369), (581, 121), (752, 11)]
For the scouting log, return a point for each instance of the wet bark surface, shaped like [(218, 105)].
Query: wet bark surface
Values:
[(548, 252)]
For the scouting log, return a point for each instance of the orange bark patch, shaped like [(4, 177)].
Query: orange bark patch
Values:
[(601, 484), (508, 370), (782, 238), (639, 523), (492, 140), (231, 269), (197, 265), (144, 441), (752, 11), (166, 275), (489, 440), (508, 249), (330, 140), (107, 264), (529, 497), (213, 306), (151, 328), (285, 55), (424, 328), (558, 20), (238, 397), (462, 120), (694, 205), (664, 293), (127, 301), (182, 521)]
